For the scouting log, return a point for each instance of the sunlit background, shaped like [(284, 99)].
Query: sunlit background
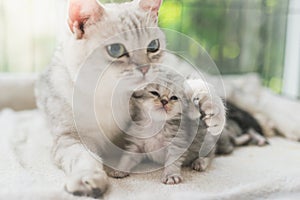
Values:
[(240, 35)]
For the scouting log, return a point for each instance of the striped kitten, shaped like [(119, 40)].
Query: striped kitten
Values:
[(179, 138), (126, 38)]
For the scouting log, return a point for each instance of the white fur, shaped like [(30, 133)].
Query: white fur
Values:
[(56, 86)]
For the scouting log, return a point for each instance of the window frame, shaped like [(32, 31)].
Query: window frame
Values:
[(291, 77)]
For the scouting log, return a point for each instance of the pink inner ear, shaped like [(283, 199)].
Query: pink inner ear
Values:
[(74, 15), (74, 12), (152, 5), (82, 10)]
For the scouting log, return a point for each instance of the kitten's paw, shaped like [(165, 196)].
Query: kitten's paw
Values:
[(172, 179), (212, 111), (201, 164), (118, 174), (258, 139), (262, 142), (87, 183)]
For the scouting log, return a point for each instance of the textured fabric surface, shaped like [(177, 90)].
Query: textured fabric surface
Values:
[(17, 91), (27, 172)]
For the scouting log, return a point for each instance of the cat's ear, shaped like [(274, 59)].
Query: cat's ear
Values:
[(82, 13), (150, 5)]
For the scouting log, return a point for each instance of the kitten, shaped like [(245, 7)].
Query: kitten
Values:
[(182, 132), (240, 129), (118, 36)]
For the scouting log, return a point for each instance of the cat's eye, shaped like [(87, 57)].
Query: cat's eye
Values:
[(116, 50), (153, 46), (155, 93), (174, 98)]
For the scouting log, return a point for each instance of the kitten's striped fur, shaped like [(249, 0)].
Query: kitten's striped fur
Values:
[(178, 141)]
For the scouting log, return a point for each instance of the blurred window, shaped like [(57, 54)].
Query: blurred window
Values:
[(291, 80), (28, 33), (240, 35)]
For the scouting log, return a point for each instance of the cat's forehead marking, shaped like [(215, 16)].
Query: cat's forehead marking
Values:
[(157, 87), (164, 89), (134, 22), (135, 26)]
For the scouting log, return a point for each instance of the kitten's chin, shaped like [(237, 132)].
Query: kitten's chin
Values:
[(159, 115), (162, 115)]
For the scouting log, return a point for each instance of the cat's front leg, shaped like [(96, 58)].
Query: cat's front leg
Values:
[(172, 174), (85, 175), (172, 170), (127, 163), (211, 106), (202, 163)]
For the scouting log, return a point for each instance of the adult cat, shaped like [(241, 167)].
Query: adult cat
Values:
[(130, 54)]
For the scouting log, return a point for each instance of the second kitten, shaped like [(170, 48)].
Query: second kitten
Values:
[(166, 128)]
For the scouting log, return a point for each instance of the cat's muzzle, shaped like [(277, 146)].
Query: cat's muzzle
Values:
[(144, 69)]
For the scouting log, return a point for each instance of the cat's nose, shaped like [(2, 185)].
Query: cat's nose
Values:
[(144, 69), (164, 102)]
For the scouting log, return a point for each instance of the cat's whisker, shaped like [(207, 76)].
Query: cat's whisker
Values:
[(123, 75)]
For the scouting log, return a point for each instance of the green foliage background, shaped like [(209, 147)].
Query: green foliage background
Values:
[(240, 35)]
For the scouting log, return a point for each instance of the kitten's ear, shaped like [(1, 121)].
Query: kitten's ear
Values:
[(150, 5), (82, 13), (138, 94)]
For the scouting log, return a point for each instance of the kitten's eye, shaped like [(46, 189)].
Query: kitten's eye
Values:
[(116, 50), (153, 46), (155, 93), (174, 98)]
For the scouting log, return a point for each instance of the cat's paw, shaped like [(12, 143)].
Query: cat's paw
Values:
[(172, 179), (201, 164), (118, 174), (212, 110), (87, 183)]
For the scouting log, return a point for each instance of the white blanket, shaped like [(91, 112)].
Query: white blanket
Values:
[(26, 170)]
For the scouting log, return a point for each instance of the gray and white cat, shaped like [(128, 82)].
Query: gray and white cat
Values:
[(118, 36), (180, 136)]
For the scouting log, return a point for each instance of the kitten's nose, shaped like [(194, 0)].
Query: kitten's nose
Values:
[(164, 102), (144, 69)]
